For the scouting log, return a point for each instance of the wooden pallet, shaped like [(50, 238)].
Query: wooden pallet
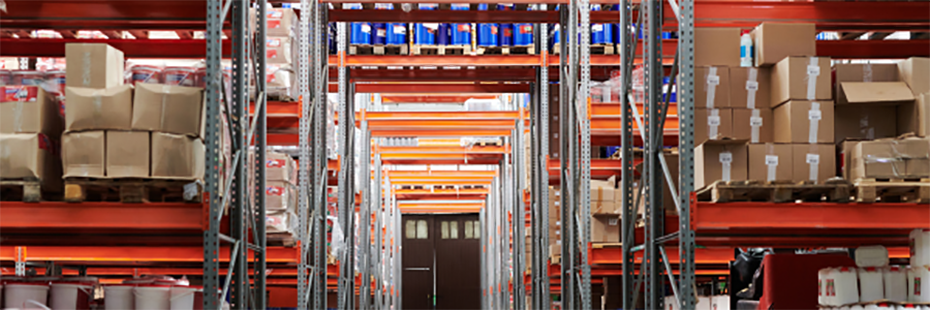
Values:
[(602, 49), (893, 190), (132, 190), (285, 239), (429, 49), (23, 190), (835, 190), (378, 49), (506, 50)]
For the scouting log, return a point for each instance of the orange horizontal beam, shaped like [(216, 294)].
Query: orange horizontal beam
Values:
[(166, 254)]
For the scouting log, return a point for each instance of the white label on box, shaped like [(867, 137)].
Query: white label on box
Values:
[(813, 159), (713, 120), (612, 221), (752, 85), (713, 80), (771, 160), (726, 157), (755, 121), (814, 115), (813, 70)]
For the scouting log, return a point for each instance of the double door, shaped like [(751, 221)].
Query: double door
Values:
[(441, 263)]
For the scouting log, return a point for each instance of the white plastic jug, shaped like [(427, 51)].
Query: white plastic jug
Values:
[(918, 284), (871, 286), (118, 296), (182, 297), (895, 281), (25, 295), (871, 256), (845, 286), (71, 295), (822, 297), (920, 247), (154, 297)]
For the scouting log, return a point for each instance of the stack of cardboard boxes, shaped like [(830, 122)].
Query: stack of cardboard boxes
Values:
[(280, 193), (112, 131), (30, 131)]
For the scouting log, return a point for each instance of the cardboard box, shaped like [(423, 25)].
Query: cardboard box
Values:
[(172, 109), (755, 125), (605, 228), (915, 117), (280, 22), (177, 156), (280, 167), (800, 121), (98, 108), (31, 156), (874, 93), (720, 160), (279, 50), (94, 65), (29, 109), (874, 159), (83, 154), (775, 41), (866, 72), (916, 156), (861, 121), (711, 87), (604, 197), (791, 76), (915, 71), (743, 81), (804, 156), (716, 47), (127, 154), (280, 196), (770, 162), (705, 122)]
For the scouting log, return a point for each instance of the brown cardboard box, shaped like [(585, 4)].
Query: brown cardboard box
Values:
[(280, 167), (711, 87), (605, 228), (775, 41), (874, 93), (742, 80), (879, 158), (796, 120), (94, 65), (280, 22), (915, 71), (98, 108), (863, 121), (172, 109), (604, 197), (38, 112), (755, 125), (916, 156), (83, 154), (30, 155), (915, 117), (770, 162), (177, 156), (791, 75), (704, 124), (716, 47), (128, 154), (806, 155), (861, 73), (709, 159), (280, 196)]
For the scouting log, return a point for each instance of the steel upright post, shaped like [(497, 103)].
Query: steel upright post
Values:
[(686, 152)]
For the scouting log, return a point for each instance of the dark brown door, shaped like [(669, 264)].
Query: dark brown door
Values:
[(417, 261), (441, 262)]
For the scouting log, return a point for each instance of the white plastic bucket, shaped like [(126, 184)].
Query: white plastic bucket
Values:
[(183, 297), (845, 286), (871, 286), (154, 297), (895, 281), (920, 245), (71, 295), (118, 296), (871, 256), (25, 295), (918, 284)]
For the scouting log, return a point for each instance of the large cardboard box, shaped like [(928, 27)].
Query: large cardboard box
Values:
[(875, 93), (128, 154), (813, 162), (94, 65), (280, 167), (770, 162), (604, 197), (711, 87), (280, 196), (98, 108), (716, 47), (800, 121), (775, 41), (712, 124), (720, 160), (177, 156), (755, 125), (801, 78), (29, 109), (915, 117), (30, 156), (916, 156), (750, 87), (83, 154), (172, 109), (862, 121), (915, 71), (605, 228), (866, 72)]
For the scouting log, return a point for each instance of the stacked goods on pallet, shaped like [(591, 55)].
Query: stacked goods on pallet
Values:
[(113, 132), (281, 52), (30, 132)]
